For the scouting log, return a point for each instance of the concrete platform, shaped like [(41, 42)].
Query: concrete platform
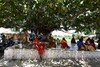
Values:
[(11, 53)]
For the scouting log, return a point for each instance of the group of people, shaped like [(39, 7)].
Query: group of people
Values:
[(6, 42), (40, 46), (50, 42), (89, 44)]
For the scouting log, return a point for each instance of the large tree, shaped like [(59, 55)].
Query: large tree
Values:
[(47, 15)]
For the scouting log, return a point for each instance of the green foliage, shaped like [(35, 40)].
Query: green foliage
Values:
[(47, 15)]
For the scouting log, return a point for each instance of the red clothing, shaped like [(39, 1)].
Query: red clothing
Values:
[(64, 44), (93, 45), (36, 43), (40, 47)]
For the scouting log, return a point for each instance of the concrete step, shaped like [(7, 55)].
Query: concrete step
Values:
[(49, 53)]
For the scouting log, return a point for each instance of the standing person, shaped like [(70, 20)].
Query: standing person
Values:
[(64, 43), (73, 42), (80, 44), (39, 46)]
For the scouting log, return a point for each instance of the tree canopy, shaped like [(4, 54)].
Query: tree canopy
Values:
[(47, 15)]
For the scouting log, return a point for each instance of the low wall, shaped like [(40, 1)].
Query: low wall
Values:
[(71, 54), (21, 54), (49, 53)]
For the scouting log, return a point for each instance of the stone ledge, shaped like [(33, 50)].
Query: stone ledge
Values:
[(49, 53)]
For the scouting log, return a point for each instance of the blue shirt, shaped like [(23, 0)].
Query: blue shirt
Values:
[(79, 44)]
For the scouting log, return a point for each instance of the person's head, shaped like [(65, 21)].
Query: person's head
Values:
[(73, 38), (36, 37), (81, 39), (88, 42), (2, 34), (64, 39), (91, 41), (57, 38), (88, 38)]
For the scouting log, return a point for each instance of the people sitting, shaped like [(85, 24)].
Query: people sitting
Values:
[(73, 42), (64, 43), (90, 45), (51, 42), (10, 42), (80, 44)]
